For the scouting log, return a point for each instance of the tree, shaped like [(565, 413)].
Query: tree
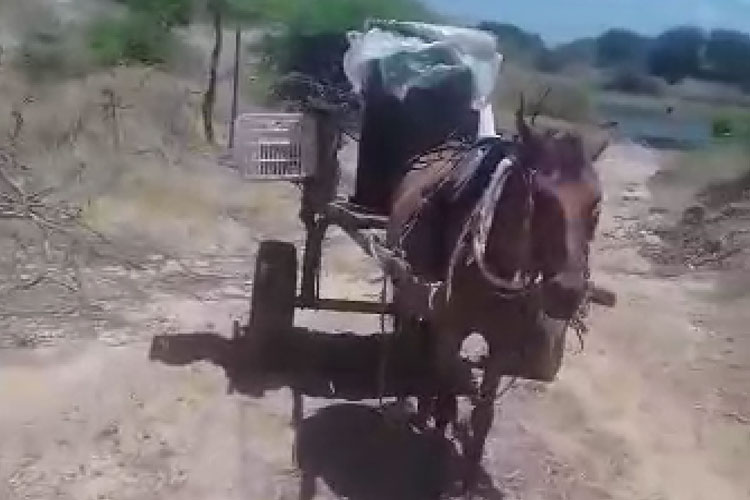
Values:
[(312, 35), (209, 96), (516, 43), (167, 13), (577, 52), (677, 53), (727, 57), (240, 11), (619, 47)]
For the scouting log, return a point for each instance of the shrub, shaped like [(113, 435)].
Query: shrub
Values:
[(568, 99), (50, 49), (632, 81), (312, 35), (134, 38), (168, 13), (734, 126)]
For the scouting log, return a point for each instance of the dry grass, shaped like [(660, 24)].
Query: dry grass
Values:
[(127, 146), (568, 99), (701, 169)]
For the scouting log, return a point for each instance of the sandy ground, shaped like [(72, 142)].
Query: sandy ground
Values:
[(655, 407)]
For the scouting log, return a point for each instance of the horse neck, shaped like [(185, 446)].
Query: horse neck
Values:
[(508, 244)]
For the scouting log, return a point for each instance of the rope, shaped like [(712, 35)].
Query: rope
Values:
[(478, 225), (578, 321), (510, 385), (383, 361), (455, 159)]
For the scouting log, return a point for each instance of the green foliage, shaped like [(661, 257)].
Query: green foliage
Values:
[(721, 127), (728, 57), (516, 44), (167, 13), (676, 53), (732, 126), (135, 38), (619, 47), (317, 17), (142, 35), (311, 35)]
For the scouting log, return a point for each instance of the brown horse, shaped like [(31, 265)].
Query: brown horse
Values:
[(506, 226)]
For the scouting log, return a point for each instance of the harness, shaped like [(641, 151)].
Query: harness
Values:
[(475, 232)]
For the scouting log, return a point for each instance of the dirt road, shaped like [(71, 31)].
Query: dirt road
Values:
[(656, 407)]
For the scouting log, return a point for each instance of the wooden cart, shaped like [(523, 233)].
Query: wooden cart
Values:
[(302, 148)]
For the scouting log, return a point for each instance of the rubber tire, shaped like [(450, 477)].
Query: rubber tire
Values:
[(273, 298)]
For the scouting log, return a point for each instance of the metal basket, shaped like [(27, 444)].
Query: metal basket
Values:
[(274, 146)]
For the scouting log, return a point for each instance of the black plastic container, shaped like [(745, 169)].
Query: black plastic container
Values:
[(394, 131)]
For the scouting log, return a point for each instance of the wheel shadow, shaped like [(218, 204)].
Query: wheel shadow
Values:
[(353, 448), (318, 364)]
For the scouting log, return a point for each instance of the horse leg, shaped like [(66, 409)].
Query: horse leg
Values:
[(447, 345), (481, 421), (425, 409), (446, 411)]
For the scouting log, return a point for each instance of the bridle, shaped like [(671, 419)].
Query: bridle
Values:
[(475, 233)]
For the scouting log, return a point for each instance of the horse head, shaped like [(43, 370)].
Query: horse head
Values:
[(566, 194)]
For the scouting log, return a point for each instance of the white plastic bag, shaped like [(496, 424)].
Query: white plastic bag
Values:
[(420, 55)]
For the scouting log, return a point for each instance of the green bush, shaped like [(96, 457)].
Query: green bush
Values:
[(311, 38), (732, 126), (168, 13), (135, 38), (721, 127)]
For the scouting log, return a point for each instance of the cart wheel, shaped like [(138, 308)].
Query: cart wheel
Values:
[(273, 297)]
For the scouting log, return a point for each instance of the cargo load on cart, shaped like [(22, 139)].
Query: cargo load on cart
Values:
[(421, 85)]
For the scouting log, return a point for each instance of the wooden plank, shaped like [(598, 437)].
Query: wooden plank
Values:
[(417, 297), (340, 213), (343, 305)]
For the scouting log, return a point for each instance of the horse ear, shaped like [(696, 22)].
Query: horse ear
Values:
[(608, 127), (523, 128), (600, 150)]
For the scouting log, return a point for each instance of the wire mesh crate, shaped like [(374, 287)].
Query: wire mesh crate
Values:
[(274, 146)]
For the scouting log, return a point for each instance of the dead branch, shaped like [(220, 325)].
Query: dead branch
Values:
[(58, 223)]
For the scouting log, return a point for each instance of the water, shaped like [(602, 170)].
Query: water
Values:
[(657, 128)]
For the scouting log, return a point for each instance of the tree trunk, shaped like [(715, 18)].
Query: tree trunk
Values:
[(209, 98), (235, 83)]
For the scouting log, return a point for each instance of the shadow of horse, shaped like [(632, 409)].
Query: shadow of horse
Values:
[(360, 456), (353, 448)]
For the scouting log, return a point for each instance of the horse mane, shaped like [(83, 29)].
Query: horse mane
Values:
[(472, 173)]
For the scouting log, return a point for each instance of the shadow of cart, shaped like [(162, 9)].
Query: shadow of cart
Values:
[(357, 451)]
